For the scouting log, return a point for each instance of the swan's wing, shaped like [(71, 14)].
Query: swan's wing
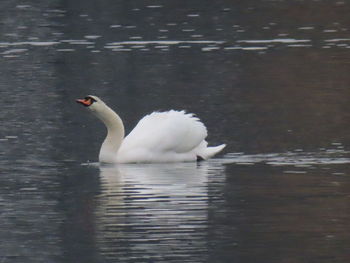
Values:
[(172, 131)]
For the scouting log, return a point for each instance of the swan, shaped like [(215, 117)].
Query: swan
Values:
[(160, 137)]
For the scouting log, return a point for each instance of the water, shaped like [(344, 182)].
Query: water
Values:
[(268, 78)]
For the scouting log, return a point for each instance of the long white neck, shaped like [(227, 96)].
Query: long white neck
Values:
[(115, 134)]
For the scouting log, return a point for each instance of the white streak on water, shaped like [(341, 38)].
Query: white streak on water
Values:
[(163, 42), (65, 50), (246, 48), (337, 40), (23, 6), (196, 36), (306, 28), (121, 49), (11, 137), (80, 42), (233, 48), (188, 30), (135, 37), (161, 46), (299, 45), (330, 30), (38, 43), (254, 48), (154, 6), (138, 46), (210, 48), (336, 143), (31, 43), (294, 172), (14, 51), (277, 40), (92, 36)]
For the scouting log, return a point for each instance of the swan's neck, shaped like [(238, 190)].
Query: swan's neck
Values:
[(115, 135)]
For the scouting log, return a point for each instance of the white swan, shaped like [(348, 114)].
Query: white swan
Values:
[(171, 136)]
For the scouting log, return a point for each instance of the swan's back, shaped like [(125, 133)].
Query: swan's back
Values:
[(164, 136)]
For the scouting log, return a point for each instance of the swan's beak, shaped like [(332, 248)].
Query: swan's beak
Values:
[(86, 102)]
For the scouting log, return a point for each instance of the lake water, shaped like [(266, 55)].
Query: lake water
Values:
[(268, 78)]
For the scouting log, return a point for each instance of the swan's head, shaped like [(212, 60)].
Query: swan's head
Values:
[(93, 103)]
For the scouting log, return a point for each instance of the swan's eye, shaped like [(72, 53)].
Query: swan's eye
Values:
[(90, 100)]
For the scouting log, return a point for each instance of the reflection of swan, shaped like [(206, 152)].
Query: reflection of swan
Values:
[(153, 210), (171, 136), (157, 178)]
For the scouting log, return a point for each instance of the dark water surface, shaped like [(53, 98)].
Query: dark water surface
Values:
[(268, 78)]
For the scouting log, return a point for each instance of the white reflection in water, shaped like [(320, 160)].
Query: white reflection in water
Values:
[(153, 210)]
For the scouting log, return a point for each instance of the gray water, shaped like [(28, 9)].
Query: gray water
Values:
[(268, 78)]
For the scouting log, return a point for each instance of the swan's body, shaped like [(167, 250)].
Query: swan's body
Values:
[(171, 136)]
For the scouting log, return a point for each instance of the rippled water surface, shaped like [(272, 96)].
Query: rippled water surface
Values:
[(268, 78)]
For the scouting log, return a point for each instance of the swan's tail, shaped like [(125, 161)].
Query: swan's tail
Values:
[(211, 151)]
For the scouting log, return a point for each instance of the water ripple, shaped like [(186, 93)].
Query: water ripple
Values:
[(95, 43), (296, 158)]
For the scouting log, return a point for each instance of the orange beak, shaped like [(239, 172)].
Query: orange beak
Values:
[(85, 102)]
